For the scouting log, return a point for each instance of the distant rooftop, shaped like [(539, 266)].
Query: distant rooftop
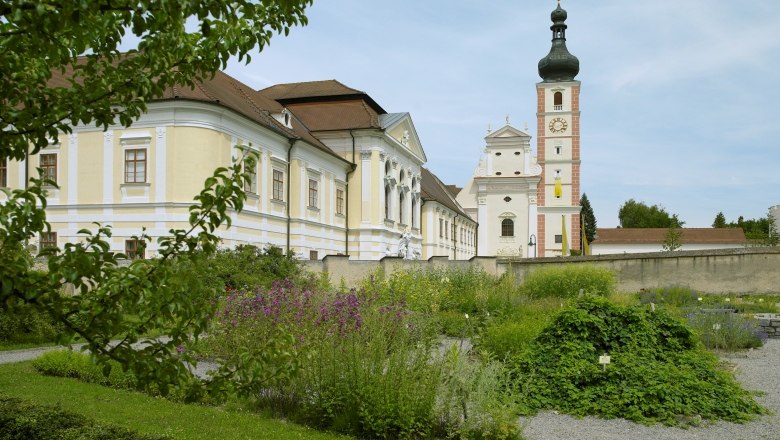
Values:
[(658, 235)]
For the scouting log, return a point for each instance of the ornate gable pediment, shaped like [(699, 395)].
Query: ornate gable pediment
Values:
[(400, 128), (507, 131)]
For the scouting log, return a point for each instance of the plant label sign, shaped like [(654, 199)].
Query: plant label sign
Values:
[(604, 360)]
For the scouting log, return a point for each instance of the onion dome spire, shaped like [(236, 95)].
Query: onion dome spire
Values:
[(559, 64)]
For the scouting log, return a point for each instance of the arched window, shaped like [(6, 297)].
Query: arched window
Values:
[(558, 101), (401, 207), (507, 228)]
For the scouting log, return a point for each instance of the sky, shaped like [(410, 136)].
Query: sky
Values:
[(679, 99)]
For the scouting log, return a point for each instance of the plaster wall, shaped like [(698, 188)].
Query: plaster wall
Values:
[(610, 249)]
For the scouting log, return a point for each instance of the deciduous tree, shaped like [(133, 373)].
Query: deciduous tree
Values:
[(61, 67), (635, 214), (672, 239)]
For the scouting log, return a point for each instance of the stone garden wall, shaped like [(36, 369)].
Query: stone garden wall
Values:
[(737, 271), (770, 323)]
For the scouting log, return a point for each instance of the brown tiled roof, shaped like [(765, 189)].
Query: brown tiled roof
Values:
[(335, 115), (228, 92), (318, 91), (432, 189), (309, 89), (454, 190), (657, 235)]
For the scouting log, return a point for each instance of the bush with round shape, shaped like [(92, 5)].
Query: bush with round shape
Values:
[(659, 371)]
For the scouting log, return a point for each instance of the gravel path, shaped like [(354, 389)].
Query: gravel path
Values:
[(756, 370)]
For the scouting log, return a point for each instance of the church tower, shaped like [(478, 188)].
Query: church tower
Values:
[(558, 145)]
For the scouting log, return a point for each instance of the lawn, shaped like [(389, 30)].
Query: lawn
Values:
[(145, 414)]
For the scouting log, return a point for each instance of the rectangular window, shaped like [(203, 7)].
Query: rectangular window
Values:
[(339, 201), (558, 150), (48, 167), (250, 184), (135, 166), (313, 193), (447, 230), (278, 185), (559, 239), (441, 228), (313, 255), (133, 250), (3, 173), (48, 239)]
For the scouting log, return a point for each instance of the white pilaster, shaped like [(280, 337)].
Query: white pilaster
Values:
[(160, 163), (533, 227), (266, 179), (366, 187), (482, 216), (22, 172), (108, 167), (73, 172)]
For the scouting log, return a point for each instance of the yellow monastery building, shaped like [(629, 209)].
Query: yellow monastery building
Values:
[(336, 174)]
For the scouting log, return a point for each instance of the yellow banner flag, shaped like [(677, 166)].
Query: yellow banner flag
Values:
[(585, 246), (565, 248), (558, 188)]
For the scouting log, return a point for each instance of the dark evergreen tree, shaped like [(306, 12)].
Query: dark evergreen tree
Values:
[(588, 218), (720, 221)]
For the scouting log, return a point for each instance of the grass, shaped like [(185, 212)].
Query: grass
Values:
[(145, 414)]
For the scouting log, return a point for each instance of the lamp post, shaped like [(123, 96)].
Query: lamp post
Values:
[(532, 243)]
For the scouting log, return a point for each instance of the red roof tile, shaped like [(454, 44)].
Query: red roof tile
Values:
[(657, 236)]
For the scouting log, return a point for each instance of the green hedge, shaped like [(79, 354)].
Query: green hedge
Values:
[(28, 421)]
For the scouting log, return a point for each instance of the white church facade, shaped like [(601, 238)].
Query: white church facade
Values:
[(529, 205)]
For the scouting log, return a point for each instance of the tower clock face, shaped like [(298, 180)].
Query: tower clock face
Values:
[(558, 125)]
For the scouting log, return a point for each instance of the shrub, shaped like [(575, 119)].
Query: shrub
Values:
[(475, 400), (24, 420), (567, 281), (671, 296), (726, 331), (468, 290), (507, 338), (355, 362), (23, 323), (81, 366), (250, 267), (509, 335), (658, 369)]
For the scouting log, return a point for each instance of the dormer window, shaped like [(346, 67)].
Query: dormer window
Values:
[(558, 101), (285, 117)]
